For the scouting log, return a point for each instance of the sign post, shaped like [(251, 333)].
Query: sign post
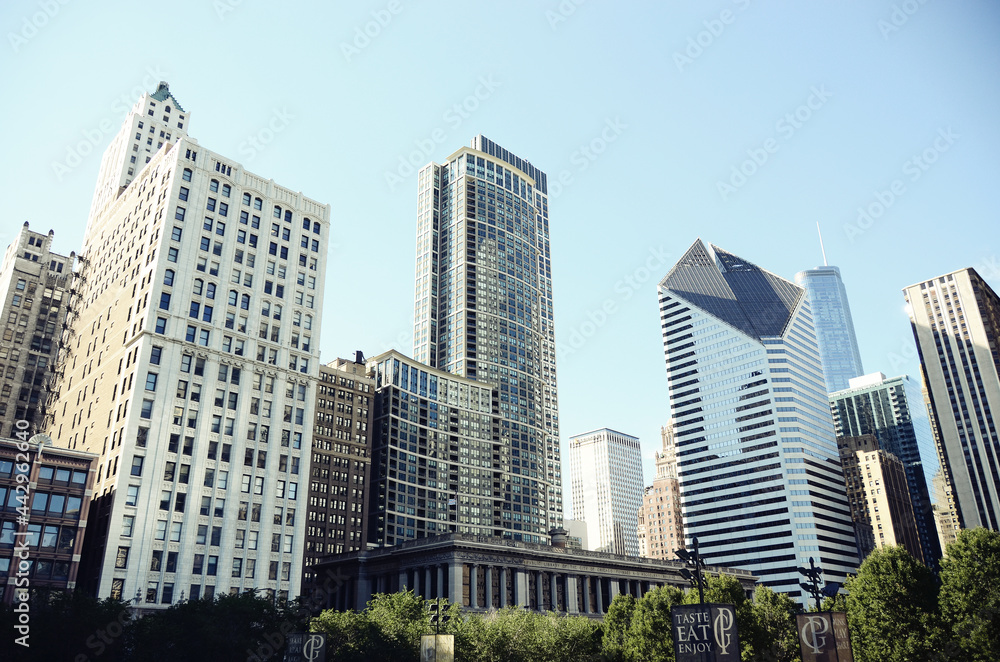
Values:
[(305, 647), (437, 648), (705, 633), (824, 637)]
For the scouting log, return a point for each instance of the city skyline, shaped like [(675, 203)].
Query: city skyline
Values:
[(878, 121)]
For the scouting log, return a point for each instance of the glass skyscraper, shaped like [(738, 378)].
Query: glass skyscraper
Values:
[(893, 411), (762, 487), (483, 309), (838, 344), (956, 323)]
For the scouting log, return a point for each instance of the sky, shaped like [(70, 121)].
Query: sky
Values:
[(741, 122)]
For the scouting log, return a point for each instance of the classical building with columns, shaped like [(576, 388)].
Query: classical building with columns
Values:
[(485, 572)]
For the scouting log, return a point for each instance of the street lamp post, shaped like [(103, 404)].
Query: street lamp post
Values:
[(693, 559)]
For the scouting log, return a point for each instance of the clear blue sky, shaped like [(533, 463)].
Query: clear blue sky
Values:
[(643, 108)]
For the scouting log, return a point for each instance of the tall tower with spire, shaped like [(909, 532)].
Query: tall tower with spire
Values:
[(831, 313)]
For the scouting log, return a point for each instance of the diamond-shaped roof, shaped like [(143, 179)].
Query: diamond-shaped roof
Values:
[(738, 292)]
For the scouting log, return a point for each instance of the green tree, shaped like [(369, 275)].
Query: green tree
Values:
[(970, 596), (772, 637), (892, 608), (617, 623), (650, 636)]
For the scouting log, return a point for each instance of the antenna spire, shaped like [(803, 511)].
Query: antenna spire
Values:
[(821, 247)]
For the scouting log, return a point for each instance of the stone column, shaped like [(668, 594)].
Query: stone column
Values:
[(616, 588), (539, 595), (428, 587), (440, 580), (572, 599), (600, 596), (364, 588), (586, 593), (473, 585), (456, 581), (504, 575), (416, 582), (488, 578), (554, 591), (521, 588), (403, 580)]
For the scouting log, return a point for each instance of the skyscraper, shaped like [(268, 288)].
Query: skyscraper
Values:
[(831, 313), (190, 368), (762, 486), (956, 324), (483, 305), (893, 411), (607, 487), (879, 497), (35, 284), (660, 512)]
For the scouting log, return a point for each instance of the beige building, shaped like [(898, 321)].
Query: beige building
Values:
[(34, 295), (190, 367), (879, 497), (661, 524)]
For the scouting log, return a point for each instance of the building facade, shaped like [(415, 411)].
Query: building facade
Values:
[(190, 368), (61, 486), (661, 521), (484, 573), (956, 325), (483, 305), (833, 324), (35, 285), (340, 466), (607, 484), (439, 464), (879, 496), (893, 411), (762, 487)]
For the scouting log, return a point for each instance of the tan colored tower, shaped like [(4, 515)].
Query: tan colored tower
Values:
[(879, 497), (660, 518)]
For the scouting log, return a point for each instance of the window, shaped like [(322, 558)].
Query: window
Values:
[(121, 559), (132, 495), (147, 410), (151, 381), (161, 325), (183, 195), (172, 254), (164, 301), (168, 277), (179, 213), (186, 174)]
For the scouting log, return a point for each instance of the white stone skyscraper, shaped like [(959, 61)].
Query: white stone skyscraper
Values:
[(762, 486), (483, 309), (607, 488), (834, 326), (190, 367)]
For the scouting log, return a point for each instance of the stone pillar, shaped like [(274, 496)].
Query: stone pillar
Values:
[(600, 595), (428, 587), (572, 599), (416, 582), (504, 575), (364, 588), (521, 588), (539, 594), (456, 581), (586, 593), (616, 589), (440, 580), (403, 580), (473, 585), (554, 591), (488, 578)]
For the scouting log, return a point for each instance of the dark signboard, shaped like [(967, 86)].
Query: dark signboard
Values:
[(824, 637), (705, 633), (305, 647)]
